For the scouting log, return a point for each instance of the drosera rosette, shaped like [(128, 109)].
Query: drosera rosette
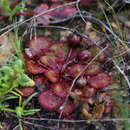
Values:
[(59, 64)]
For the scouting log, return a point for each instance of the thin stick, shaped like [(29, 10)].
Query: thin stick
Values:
[(38, 125), (78, 121), (72, 121)]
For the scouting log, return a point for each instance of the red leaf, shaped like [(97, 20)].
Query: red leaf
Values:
[(38, 44), (57, 14), (59, 49), (52, 75), (69, 108), (60, 89), (93, 69), (49, 100), (27, 91), (74, 70), (32, 66), (100, 81), (84, 56), (64, 12), (49, 59)]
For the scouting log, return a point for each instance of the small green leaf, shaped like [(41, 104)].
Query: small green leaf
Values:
[(25, 81), (30, 112), (19, 111)]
